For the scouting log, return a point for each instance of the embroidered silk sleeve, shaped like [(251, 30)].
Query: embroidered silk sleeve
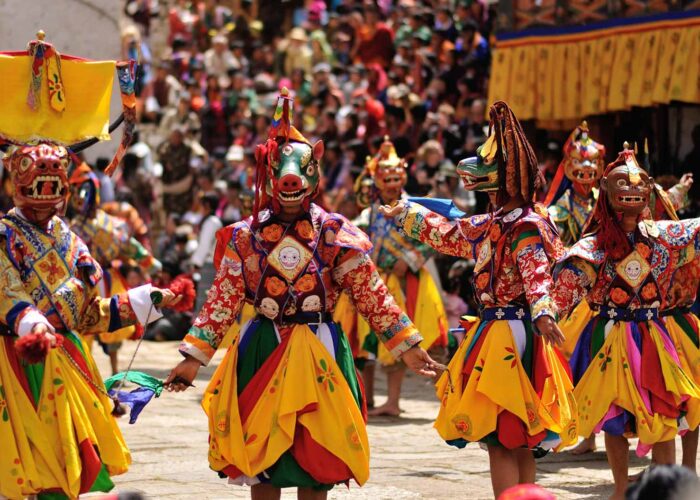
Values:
[(434, 230), (106, 314), (357, 275), (573, 279), (678, 195), (224, 300), (17, 310), (146, 261), (531, 259)]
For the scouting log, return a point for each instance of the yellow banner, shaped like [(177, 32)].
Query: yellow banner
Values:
[(88, 89), (569, 76)]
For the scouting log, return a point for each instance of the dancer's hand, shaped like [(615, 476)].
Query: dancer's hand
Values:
[(42, 328), (686, 181), (169, 298), (400, 268), (419, 361), (391, 212), (182, 375), (548, 328)]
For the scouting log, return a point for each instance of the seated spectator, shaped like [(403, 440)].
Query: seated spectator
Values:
[(297, 54), (161, 93), (374, 40), (219, 60), (665, 482)]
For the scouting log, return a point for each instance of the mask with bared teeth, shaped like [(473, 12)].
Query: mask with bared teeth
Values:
[(39, 176), (627, 185)]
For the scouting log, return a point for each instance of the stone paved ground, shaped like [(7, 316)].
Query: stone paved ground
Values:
[(409, 461)]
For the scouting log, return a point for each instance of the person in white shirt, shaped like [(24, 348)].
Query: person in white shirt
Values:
[(219, 60), (203, 258)]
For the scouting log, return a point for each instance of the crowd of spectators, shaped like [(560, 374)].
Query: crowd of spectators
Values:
[(358, 70), (210, 71)]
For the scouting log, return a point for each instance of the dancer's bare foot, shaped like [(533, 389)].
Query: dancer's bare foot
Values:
[(385, 410), (633, 478), (585, 446)]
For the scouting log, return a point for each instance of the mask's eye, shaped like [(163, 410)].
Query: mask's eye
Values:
[(577, 163), (310, 170), (25, 163), (622, 183), (64, 163)]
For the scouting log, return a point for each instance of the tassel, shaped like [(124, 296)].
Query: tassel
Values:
[(118, 410), (34, 347), (183, 285)]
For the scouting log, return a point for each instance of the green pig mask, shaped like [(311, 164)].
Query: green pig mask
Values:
[(296, 170), (480, 172)]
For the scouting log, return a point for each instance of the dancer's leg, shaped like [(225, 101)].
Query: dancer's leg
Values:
[(617, 447), (265, 492), (504, 469)]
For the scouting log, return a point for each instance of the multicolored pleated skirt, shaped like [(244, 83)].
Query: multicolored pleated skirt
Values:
[(684, 327), (57, 433), (420, 299), (285, 407), (629, 379), (573, 325), (507, 387)]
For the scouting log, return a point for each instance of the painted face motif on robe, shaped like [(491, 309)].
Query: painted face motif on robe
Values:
[(39, 175), (269, 308), (289, 257), (583, 160), (311, 304), (480, 172), (627, 185)]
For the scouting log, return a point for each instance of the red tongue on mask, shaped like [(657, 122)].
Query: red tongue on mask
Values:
[(46, 189)]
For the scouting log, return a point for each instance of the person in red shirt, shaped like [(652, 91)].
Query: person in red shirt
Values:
[(374, 40)]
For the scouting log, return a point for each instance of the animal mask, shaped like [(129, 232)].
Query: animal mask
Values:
[(295, 174), (480, 172), (288, 166), (39, 176), (583, 160)]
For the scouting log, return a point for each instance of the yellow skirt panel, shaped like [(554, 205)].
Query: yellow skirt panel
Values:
[(497, 383), (41, 446), (306, 376)]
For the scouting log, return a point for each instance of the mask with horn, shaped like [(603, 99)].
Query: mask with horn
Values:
[(288, 165), (505, 164)]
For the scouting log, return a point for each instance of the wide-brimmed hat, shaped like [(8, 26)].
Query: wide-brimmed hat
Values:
[(298, 34)]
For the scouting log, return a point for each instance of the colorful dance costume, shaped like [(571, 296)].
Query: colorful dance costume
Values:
[(108, 238), (285, 406), (416, 292), (223, 236), (586, 154), (574, 190), (571, 199), (629, 379), (57, 433), (505, 385)]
